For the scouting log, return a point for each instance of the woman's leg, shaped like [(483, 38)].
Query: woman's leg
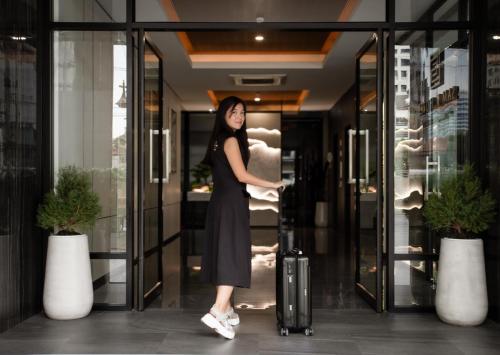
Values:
[(223, 299)]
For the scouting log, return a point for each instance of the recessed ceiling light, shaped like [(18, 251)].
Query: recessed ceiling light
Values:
[(259, 38), (259, 19), (496, 37), (256, 99)]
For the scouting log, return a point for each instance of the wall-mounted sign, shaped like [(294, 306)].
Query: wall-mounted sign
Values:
[(437, 69), (446, 96)]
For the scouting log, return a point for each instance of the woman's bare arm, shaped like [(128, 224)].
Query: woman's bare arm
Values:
[(232, 150)]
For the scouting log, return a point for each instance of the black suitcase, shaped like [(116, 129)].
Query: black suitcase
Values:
[(293, 292), (293, 286)]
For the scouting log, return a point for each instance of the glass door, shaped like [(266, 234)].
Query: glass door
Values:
[(365, 171), (150, 173)]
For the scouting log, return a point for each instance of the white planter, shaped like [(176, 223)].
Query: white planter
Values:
[(461, 296), (321, 214), (68, 291)]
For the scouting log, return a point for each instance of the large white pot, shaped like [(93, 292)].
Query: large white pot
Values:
[(461, 296), (321, 214), (68, 291)]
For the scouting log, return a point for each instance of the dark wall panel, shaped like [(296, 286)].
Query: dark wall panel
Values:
[(21, 243), (490, 167)]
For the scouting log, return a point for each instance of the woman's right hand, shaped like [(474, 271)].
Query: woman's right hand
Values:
[(279, 184)]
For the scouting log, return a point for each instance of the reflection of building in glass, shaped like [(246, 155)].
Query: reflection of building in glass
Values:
[(493, 72), (401, 91), (431, 125)]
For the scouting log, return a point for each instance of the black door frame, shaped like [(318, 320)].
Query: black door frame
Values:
[(376, 300), (133, 28), (145, 297)]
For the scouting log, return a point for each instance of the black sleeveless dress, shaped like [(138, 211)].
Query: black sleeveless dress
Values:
[(227, 252)]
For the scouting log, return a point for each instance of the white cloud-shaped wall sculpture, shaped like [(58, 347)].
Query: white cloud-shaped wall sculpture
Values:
[(265, 163)]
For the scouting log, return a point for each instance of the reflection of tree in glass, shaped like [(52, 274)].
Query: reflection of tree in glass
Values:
[(200, 172)]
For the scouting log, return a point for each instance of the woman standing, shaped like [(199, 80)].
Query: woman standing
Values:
[(226, 260)]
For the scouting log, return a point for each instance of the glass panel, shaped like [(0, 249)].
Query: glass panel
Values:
[(367, 142), (431, 126), (432, 10), (90, 122), (110, 280), (200, 129), (152, 162), (89, 10), (255, 11), (414, 282)]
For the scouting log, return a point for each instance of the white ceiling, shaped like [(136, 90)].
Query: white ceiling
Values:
[(325, 85)]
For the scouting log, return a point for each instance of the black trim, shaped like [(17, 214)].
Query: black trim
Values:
[(109, 307), (130, 161), (171, 239), (380, 165), (101, 281), (415, 256), (375, 300), (252, 26), (140, 173), (185, 128), (44, 101), (477, 14), (106, 255), (389, 173)]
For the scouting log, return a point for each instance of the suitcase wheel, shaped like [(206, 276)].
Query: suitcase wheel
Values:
[(308, 331), (284, 331)]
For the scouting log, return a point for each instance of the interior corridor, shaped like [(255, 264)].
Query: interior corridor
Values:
[(332, 273)]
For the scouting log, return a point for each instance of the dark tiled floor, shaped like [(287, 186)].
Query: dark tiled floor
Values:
[(343, 323), (156, 330)]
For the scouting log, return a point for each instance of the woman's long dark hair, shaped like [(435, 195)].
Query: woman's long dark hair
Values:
[(222, 130)]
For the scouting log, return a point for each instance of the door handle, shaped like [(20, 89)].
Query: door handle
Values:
[(166, 178), (350, 135), (152, 132), (429, 163), (366, 132)]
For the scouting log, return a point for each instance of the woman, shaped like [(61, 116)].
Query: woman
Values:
[(226, 260)]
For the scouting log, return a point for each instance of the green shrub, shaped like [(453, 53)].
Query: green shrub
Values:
[(461, 209), (201, 172), (72, 207)]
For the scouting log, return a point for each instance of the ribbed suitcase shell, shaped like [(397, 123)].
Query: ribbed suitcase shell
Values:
[(293, 296)]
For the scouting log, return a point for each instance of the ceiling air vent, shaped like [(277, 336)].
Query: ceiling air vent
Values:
[(258, 79)]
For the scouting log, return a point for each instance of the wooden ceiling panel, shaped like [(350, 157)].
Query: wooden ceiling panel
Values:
[(270, 100), (239, 41)]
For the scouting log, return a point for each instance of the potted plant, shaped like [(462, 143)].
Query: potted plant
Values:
[(67, 211), (459, 213), (201, 172)]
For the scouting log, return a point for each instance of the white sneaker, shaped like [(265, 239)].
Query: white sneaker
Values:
[(218, 323), (232, 317)]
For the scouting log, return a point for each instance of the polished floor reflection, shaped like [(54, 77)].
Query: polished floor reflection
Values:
[(332, 272)]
